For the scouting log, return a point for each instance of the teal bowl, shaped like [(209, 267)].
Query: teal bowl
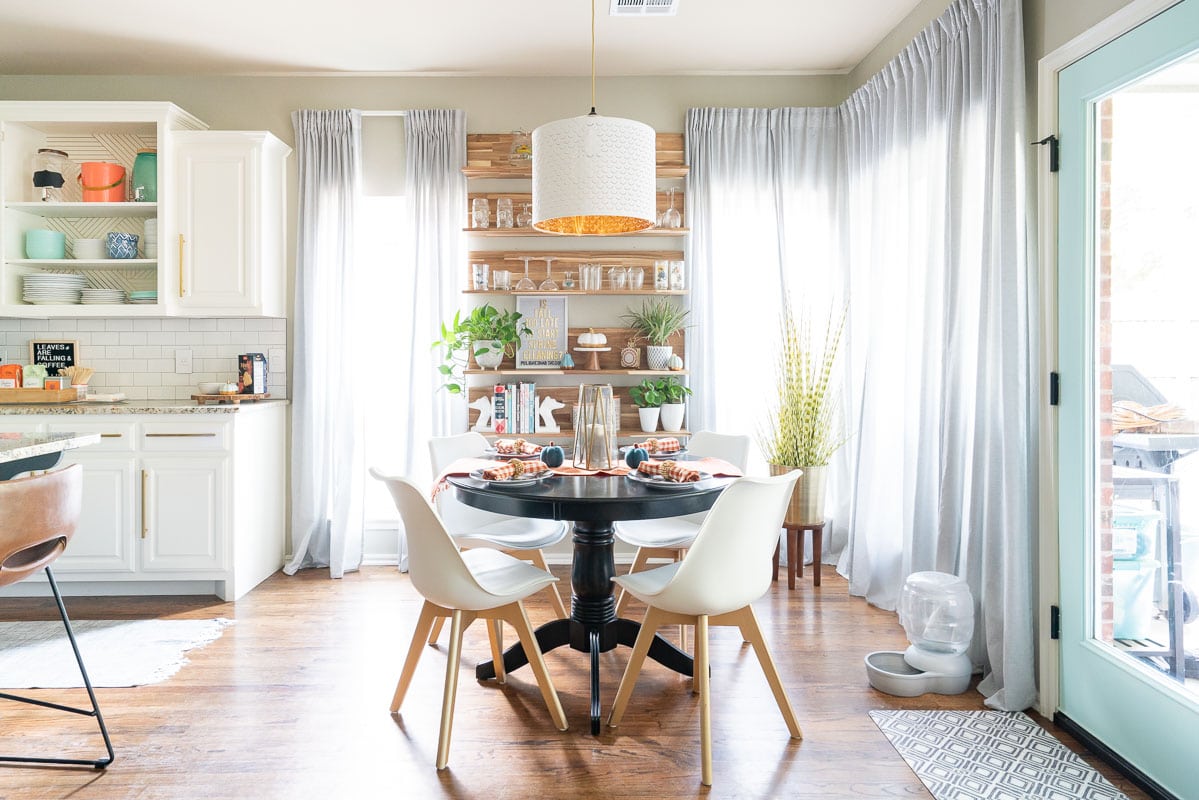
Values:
[(43, 244)]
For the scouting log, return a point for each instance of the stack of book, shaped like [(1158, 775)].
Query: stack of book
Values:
[(514, 407)]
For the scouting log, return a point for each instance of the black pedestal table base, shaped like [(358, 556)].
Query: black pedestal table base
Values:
[(593, 626)]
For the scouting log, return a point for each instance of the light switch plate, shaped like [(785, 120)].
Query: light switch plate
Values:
[(183, 361)]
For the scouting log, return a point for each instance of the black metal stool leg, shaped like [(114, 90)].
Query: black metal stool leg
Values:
[(93, 712)]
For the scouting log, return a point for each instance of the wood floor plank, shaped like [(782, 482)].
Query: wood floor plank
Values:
[(292, 702)]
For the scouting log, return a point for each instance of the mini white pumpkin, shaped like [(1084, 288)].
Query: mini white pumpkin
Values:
[(674, 362), (592, 339)]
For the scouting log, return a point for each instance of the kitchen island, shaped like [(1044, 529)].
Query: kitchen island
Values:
[(23, 452)]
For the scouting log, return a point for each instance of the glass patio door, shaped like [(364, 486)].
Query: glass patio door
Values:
[(1128, 294)]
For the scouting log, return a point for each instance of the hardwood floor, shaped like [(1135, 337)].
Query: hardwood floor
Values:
[(291, 702)]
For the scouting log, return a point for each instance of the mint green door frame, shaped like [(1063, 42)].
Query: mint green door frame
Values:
[(1148, 720)]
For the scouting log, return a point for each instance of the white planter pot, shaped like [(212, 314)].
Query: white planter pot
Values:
[(672, 416), (658, 356), (649, 419), (492, 358)]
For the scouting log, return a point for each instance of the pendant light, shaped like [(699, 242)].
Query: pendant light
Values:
[(594, 175)]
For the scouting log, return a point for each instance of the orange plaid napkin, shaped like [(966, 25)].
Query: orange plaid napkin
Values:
[(513, 468), (656, 446), (516, 447), (671, 470)]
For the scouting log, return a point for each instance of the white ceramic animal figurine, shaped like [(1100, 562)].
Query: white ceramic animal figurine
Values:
[(483, 405), (546, 411)]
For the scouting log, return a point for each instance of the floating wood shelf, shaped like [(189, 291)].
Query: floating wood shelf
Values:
[(493, 232), (576, 372), (579, 292), (567, 433), (487, 156), (519, 199)]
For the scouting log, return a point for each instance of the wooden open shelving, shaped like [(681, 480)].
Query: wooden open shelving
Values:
[(487, 156), (520, 198)]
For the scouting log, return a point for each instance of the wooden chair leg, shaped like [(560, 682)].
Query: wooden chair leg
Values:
[(428, 614), (774, 573), (794, 557), (451, 686), (703, 679), (751, 631), (538, 560), (640, 562), (649, 627), (435, 631), (495, 635), (817, 546), (517, 618)]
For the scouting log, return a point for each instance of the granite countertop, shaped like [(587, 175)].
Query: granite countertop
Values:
[(136, 407), (15, 446)]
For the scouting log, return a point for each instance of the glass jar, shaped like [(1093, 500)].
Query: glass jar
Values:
[(661, 276), (677, 280), (53, 174)]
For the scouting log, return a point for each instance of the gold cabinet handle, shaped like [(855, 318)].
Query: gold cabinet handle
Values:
[(145, 487), (111, 435), (181, 265), (179, 435)]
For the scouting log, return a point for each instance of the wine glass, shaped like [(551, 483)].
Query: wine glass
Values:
[(670, 218), (526, 283), (548, 284)]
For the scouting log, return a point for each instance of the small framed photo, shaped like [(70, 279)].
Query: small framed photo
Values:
[(546, 317)]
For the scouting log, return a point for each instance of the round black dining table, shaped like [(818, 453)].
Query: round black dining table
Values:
[(594, 504)]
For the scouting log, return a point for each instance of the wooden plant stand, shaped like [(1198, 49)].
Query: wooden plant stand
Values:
[(795, 555)]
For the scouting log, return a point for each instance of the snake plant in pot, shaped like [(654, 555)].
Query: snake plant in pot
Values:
[(804, 428), (657, 321)]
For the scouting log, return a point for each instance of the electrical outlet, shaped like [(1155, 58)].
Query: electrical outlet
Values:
[(183, 361)]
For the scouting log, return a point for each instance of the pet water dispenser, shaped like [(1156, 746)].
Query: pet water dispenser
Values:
[(937, 613)]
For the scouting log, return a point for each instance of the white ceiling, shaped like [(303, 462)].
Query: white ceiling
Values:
[(436, 37)]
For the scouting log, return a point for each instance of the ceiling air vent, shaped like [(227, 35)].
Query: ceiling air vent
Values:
[(643, 8)]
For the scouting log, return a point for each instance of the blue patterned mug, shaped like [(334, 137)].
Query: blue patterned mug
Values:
[(122, 245)]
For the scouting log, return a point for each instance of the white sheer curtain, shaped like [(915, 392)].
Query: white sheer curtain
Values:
[(327, 473), (927, 183), (941, 345)]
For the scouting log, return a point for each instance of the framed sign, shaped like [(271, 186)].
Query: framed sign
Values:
[(53, 355), (546, 316)]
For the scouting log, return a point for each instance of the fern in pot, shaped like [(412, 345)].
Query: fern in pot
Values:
[(657, 321), (804, 427)]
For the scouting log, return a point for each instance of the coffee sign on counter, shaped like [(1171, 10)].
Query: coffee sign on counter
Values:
[(54, 355)]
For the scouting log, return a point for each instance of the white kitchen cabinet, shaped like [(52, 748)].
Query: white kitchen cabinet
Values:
[(173, 503), (230, 244)]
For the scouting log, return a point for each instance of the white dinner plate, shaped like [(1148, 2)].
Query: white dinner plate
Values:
[(491, 452), (513, 482), (658, 482)]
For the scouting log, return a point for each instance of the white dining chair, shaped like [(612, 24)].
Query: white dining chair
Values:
[(464, 586), (473, 527), (671, 536), (728, 567)]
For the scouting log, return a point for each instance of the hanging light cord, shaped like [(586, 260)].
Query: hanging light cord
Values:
[(592, 114)]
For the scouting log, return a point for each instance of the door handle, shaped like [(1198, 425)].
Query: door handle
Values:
[(145, 488), (179, 435)]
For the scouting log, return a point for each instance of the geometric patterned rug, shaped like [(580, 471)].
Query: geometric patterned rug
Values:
[(990, 755)]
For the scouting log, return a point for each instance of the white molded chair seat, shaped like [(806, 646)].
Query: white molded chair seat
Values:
[(727, 568), (478, 584), (670, 537), (474, 527)]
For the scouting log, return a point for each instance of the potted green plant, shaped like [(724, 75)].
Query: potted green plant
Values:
[(674, 393), (804, 428), (648, 397), (487, 333), (657, 321)]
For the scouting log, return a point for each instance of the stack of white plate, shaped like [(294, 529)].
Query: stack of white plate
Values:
[(150, 238), (49, 288), (102, 296), (144, 298)]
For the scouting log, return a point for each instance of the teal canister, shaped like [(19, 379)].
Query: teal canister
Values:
[(145, 176)]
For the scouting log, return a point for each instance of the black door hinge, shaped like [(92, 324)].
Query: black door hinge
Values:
[(1055, 622), (1055, 389), (1052, 141)]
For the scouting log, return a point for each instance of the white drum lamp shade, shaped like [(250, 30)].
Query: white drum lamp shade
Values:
[(594, 176)]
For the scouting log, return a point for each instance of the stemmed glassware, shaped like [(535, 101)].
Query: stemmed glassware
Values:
[(526, 283), (548, 284), (670, 218)]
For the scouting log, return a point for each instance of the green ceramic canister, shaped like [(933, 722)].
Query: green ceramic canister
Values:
[(145, 176)]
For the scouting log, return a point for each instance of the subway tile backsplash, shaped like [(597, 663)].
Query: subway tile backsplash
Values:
[(137, 356)]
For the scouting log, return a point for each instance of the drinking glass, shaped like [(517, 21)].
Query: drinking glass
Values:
[(670, 218), (616, 278), (479, 274), (661, 276), (502, 280), (526, 283), (568, 282), (480, 212), (503, 212), (636, 278), (525, 218), (677, 280), (548, 284)]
